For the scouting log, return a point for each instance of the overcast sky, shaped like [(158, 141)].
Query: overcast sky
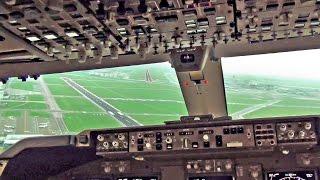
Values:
[(298, 64)]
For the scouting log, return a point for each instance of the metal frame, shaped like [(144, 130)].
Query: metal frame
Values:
[(207, 95)]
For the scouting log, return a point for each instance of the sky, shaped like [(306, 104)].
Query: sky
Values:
[(296, 64)]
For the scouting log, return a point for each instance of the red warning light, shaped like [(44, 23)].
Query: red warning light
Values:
[(205, 81)]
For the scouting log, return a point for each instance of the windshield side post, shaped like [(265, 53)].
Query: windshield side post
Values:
[(203, 89)]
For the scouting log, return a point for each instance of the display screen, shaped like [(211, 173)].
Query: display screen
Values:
[(292, 175), (212, 178)]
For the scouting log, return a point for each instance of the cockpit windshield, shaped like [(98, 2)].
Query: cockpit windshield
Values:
[(256, 86), (68, 103), (283, 84)]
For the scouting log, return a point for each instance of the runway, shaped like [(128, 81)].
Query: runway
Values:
[(108, 108)]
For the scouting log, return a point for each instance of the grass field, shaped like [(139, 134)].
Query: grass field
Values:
[(291, 96), (25, 104)]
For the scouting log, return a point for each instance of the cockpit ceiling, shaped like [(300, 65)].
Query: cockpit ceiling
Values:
[(46, 36)]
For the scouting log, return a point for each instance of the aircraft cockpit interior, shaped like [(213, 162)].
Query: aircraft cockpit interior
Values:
[(160, 89)]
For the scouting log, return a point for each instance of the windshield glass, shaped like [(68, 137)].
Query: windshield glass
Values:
[(269, 85), (283, 84), (68, 103)]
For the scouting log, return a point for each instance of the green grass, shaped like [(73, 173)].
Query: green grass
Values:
[(283, 111), (232, 108), (245, 98), (149, 107), (76, 104), (28, 86), (299, 102), (8, 113), (53, 79), (64, 90), (41, 114), (125, 89), (77, 122), (35, 98), (26, 105)]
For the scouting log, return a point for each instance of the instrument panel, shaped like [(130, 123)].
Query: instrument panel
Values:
[(258, 149), (210, 137)]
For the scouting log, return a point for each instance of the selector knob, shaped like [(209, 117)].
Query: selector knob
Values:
[(121, 137), (100, 138), (115, 144), (306, 160), (106, 144), (195, 166), (302, 134), (208, 167), (148, 145), (107, 169), (189, 166), (291, 134), (254, 174), (283, 127), (307, 125), (121, 169), (169, 140), (228, 165), (205, 137)]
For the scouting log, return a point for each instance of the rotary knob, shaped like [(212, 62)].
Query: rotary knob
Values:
[(254, 174), (307, 126), (148, 145), (208, 167), (196, 166), (205, 137), (107, 169), (228, 165), (283, 127)]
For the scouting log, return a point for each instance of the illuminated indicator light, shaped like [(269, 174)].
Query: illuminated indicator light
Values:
[(186, 84), (22, 28), (203, 23), (13, 22), (56, 50), (221, 20), (121, 29), (190, 22), (123, 32), (33, 37), (72, 33), (201, 31), (252, 30), (153, 30), (266, 28), (234, 144), (299, 25), (191, 31), (50, 35), (315, 23), (191, 25)]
